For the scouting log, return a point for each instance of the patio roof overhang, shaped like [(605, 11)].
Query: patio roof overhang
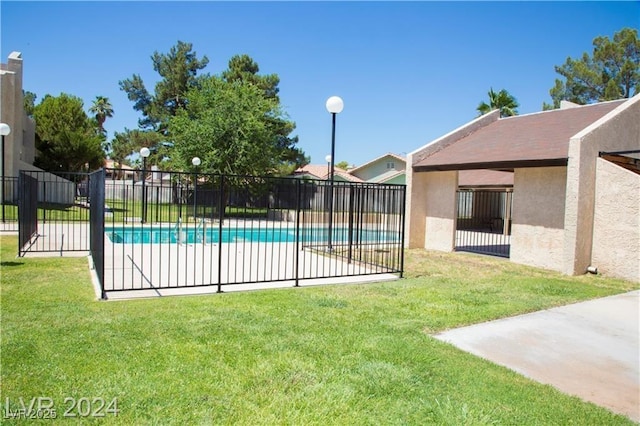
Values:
[(630, 160), (532, 140), (505, 166)]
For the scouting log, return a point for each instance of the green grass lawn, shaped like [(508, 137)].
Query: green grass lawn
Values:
[(132, 210), (345, 354)]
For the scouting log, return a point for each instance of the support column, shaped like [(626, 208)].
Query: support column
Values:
[(441, 200)]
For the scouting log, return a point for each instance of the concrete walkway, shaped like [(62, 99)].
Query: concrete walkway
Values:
[(589, 349)]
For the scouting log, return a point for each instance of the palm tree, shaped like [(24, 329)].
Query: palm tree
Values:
[(502, 100), (102, 110)]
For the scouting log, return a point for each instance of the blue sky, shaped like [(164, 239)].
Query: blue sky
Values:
[(408, 72)]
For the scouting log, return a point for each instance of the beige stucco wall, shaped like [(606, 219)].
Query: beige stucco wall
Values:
[(537, 233), (441, 199), (415, 208), (20, 143), (431, 210), (616, 223), (617, 131), (417, 195)]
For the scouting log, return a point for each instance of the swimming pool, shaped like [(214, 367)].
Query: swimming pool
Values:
[(150, 235)]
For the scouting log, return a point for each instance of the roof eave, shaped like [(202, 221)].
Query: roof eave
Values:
[(493, 165)]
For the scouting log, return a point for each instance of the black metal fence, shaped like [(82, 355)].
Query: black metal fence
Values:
[(177, 230), (62, 211), (27, 211), (96, 230), (484, 222), (9, 198)]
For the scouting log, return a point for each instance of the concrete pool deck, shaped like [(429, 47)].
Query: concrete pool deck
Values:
[(588, 349), (146, 270)]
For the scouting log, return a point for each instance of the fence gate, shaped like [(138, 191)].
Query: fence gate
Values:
[(61, 219), (27, 212), (484, 222)]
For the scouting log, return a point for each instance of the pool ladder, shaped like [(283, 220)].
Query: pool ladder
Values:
[(201, 235), (177, 230)]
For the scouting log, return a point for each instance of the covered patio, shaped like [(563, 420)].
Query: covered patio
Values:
[(554, 158)]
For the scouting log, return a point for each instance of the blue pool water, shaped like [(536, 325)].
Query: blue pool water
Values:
[(235, 235)]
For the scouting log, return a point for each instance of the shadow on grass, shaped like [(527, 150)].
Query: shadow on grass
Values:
[(11, 263), (58, 207)]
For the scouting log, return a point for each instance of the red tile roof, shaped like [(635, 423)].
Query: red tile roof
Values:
[(318, 171), (541, 138), (111, 164), (321, 172)]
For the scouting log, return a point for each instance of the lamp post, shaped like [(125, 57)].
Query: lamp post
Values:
[(144, 153), (4, 131), (334, 106), (196, 162), (328, 160)]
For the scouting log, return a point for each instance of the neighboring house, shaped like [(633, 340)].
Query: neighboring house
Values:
[(123, 171), (576, 185), (322, 172), (389, 168)]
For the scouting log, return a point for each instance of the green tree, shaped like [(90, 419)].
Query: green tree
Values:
[(128, 143), (120, 148), (178, 70), (102, 110), (243, 69), (502, 100), (224, 124), (29, 101), (344, 165), (66, 138), (611, 72)]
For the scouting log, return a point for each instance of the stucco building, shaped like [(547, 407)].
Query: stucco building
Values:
[(19, 144), (388, 168), (576, 185), (19, 149)]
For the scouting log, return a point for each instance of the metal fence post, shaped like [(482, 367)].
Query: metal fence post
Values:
[(195, 199), (402, 212), (221, 208), (44, 200), (157, 203), (297, 251), (351, 196), (96, 224)]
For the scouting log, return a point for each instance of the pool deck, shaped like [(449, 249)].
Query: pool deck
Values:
[(145, 270), (151, 270)]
